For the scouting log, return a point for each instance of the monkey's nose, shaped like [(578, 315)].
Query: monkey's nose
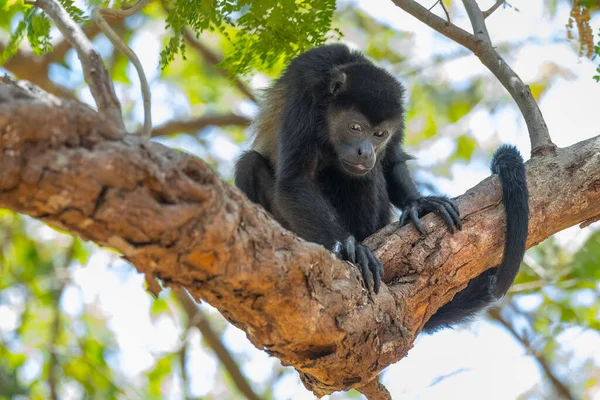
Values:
[(364, 154)]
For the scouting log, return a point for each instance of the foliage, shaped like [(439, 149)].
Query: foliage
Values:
[(262, 32)]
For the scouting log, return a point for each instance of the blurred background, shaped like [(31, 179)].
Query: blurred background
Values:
[(76, 321)]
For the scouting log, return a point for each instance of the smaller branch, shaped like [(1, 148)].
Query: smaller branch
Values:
[(540, 358), (197, 319), (97, 16), (182, 364), (493, 8), (193, 125), (62, 47), (589, 221), (445, 11), (477, 21), (61, 280), (375, 390), (95, 73), (214, 59), (521, 94)]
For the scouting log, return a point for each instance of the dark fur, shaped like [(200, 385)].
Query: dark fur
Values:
[(293, 171)]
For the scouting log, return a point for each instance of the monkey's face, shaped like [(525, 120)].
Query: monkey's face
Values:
[(355, 141)]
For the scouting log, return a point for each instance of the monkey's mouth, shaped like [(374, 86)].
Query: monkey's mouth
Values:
[(355, 169)]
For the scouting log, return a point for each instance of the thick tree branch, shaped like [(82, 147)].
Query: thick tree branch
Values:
[(95, 73), (538, 131), (193, 125), (174, 219)]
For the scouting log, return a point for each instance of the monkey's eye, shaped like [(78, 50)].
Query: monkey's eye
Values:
[(379, 134), (356, 127)]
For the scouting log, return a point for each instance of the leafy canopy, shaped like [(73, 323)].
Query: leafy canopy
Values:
[(262, 32)]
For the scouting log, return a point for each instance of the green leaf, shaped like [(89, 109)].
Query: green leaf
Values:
[(587, 259), (465, 146), (80, 251), (159, 306), (161, 370)]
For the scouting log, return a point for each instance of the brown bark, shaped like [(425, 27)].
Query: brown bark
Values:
[(175, 220)]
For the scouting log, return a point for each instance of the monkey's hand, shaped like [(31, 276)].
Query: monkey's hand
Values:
[(359, 254), (446, 208)]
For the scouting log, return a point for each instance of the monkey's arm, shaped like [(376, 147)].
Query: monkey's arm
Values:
[(300, 202), (404, 194)]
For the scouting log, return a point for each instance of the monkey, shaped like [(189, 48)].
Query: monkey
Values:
[(327, 162)]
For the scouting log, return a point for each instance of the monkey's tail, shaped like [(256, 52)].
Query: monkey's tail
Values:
[(495, 282), (508, 164)]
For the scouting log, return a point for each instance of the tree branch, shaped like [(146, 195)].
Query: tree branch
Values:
[(214, 59), (521, 94), (60, 281), (97, 16), (375, 390), (544, 364), (493, 8), (193, 125), (199, 321), (477, 21), (34, 69), (172, 218), (95, 73)]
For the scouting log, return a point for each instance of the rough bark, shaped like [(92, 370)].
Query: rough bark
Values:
[(170, 215)]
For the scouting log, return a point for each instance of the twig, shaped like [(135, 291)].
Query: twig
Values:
[(61, 280), (182, 363), (95, 73), (538, 131), (97, 16), (540, 358), (445, 11), (214, 59), (493, 8), (477, 20), (195, 124), (197, 319), (589, 221), (375, 390)]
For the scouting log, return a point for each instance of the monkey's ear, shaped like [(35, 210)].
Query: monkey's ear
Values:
[(337, 83)]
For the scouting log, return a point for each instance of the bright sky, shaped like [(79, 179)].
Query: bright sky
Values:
[(479, 361)]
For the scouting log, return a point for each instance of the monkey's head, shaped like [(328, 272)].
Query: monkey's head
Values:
[(364, 111)]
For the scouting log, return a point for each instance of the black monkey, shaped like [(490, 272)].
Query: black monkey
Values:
[(327, 162)]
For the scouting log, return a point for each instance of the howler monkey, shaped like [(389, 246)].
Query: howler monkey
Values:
[(327, 162)]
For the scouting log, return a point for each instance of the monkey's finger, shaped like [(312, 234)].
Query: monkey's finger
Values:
[(363, 261), (447, 210), (446, 201), (350, 250), (337, 250), (454, 206), (455, 216), (381, 269), (377, 270), (415, 219), (403, 218), (443, 213)]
